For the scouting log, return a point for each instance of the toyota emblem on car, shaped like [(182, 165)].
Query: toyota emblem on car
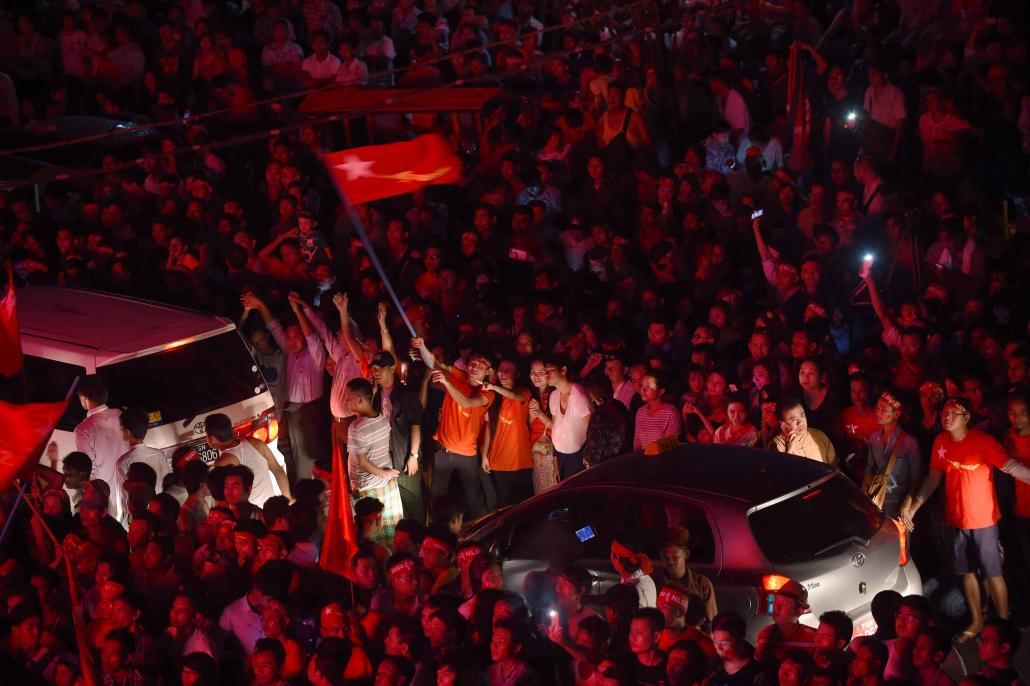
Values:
[(858, 560)]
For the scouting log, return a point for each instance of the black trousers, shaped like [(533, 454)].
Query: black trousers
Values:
[(512, 487), (467, 467), (569, 463), (310, 438)]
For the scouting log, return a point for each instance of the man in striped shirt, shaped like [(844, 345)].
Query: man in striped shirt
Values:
[(368, 456)]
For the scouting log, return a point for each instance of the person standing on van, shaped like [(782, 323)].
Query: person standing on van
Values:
[(134, 425), (99, 435), (462, 418), (305, 370), (250, 453)]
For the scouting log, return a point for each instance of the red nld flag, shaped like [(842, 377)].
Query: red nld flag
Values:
[(381, 171), (799, 112), (26, 429), (341, 535), (87, 661), (10, 341)]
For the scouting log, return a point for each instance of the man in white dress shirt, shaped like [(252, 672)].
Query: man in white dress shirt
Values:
[(135, 422), (99, 435), (305, 371)]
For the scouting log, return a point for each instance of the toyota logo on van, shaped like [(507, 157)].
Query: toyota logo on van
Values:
[(858, 560), (199, 428)]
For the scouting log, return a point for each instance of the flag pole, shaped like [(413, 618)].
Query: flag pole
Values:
[(87, 665), (10, 515)]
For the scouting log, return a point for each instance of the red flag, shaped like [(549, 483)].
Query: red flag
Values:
[(10, 341), (341, 535), (87, 661), (799, 112), (380, 171), (26, 429)]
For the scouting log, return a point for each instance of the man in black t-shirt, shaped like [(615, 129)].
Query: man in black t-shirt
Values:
[(401, 406), (648, 662), (737, 668)]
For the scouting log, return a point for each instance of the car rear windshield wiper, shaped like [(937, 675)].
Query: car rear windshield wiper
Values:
[(849, 539)]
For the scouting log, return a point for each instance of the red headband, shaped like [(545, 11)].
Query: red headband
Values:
[(890, 400), (402, 567), (468, 554), (673, 597)]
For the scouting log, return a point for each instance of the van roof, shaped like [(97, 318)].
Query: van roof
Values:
[(112, 325)]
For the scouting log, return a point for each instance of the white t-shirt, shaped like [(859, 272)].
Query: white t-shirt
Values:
[(941, 142), (320, 69), (251, 458), (734, 111), (885, 104), (570, 431)]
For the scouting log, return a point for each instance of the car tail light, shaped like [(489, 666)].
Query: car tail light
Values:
[(264, 428), (770, 584), (902, 543), (773, 582), (267, 433)]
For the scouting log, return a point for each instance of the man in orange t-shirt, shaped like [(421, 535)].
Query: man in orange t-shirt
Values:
[(963, 458), (461, 422)]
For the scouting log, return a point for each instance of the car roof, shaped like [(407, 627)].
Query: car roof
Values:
[(112, 325), (747, 474)]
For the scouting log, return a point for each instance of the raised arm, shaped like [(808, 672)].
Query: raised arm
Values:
[(253, 302), (300, 312), (763, 249), (273, 466), (384, 331), (456, 393), (429, 357), (520, 395), (341, 301), (878, 307), (268, 252)]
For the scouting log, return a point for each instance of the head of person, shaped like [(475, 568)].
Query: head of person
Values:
[(834, 632), (673, 604), (789, 603), (956, 414), (912, 617), (384, 368), (998, 642), (793, 421), (508, 640), (92, 391), (870, 658), (729, 632), (796, 669), (26, 626), (685, 663), (645, 629), (570, 585), (887, 409), (811, 376), (266, 662), (198, 668), (931, 647), (114, 653), (359, 396), (76, 468), (653, 386), (238, 482), (402, 574), (219, 431), (394, 670), (437, 548)]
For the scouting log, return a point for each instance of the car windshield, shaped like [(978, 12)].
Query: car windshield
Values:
[(794, 530), (183, 382)]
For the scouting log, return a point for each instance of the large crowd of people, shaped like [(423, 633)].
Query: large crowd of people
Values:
[(794, 226)]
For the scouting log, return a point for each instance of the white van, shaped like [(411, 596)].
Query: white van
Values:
[(179, 365)]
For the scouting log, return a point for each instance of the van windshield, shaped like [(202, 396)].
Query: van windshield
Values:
[(183, 382), (794, 530)]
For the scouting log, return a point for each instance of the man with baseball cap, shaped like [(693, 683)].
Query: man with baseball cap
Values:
[(964, 459), (786, 633), (401, 407), (893, 466)]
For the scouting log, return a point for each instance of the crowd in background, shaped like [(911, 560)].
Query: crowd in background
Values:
[(796, 226)]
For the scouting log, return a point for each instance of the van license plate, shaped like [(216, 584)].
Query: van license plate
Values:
[(206, 453)]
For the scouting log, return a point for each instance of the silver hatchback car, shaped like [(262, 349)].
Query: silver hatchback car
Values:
[(755, 518)]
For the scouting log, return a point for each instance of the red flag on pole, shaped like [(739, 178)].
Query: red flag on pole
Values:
[(380, 171), (10, 341), (799, 112), (26, 429), (87, 661), (341, 534)]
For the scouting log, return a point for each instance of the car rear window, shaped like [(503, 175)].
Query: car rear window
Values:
[(809, 524), (186, 381)]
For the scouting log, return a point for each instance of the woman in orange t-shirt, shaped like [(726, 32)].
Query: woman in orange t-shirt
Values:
[(507, 448)]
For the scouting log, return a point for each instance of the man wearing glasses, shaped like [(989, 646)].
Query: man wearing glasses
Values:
[(962, 457)]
